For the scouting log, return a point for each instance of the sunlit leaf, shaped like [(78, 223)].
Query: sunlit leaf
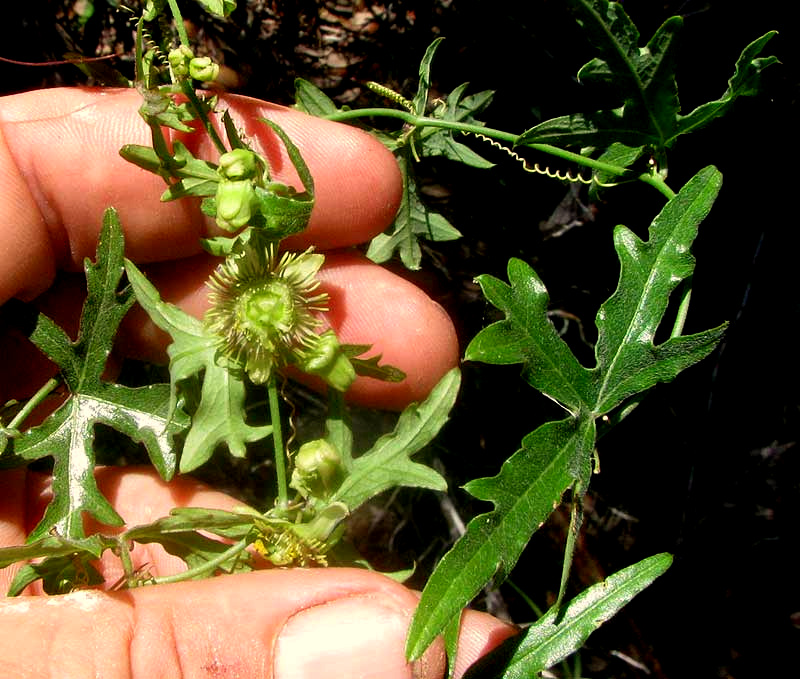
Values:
[(558, 455), (68, 434), (220, 8), (220, 418), (628, 361), (530, 483), (563, 631), (312, 100), (388, 463)]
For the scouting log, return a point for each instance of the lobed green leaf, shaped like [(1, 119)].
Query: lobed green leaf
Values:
[(527, 336), (413, 222), (68, 434), (643, 81), (388, 463), (558, 455), (220, 417), (528, 487), (744, 82), (628, 362), (420, 101)]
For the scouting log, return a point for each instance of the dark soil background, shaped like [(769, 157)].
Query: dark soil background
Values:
[(707, 467)]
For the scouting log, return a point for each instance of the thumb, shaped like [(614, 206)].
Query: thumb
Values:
[(284, 624)]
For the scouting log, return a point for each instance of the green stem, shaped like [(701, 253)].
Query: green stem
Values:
[(161, 148), (657, 183), (206, 569), (179, 26), (202, 112), (506, 137), (277, 440), (125, 558), (683, 308), (32, 403)]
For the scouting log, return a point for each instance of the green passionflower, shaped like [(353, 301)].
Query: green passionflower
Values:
[(264, 308)]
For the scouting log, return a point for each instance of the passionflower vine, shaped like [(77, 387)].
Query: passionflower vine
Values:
[(264, 310)]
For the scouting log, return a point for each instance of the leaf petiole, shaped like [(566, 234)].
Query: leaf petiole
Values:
[(32, 403), (206, 569)]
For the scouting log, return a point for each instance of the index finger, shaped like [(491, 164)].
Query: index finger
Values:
[(60, 169)]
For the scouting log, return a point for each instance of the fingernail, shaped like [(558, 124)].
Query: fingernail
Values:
[(359, 636)]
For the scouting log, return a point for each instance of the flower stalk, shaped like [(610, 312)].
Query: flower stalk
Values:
[(282, 500)]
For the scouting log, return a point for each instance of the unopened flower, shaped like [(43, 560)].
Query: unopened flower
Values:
[(264, 309), (239, 164), (235, 201), (326, 359), (179, 59), (203, 69), (318, 469)]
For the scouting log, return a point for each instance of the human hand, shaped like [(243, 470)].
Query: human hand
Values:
[(59, 169)]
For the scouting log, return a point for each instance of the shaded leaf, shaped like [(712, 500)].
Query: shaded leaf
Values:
[(620, 155), (228, 524), (643, 81), (642, 77), (59, 574), (64, 562), (371, 367), (437, 141), (413, 222), (339, 429), (420, 101), (743, 83)]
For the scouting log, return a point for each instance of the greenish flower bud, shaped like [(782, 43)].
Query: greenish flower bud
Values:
[(238, 164), (326, 360), (179, 59), (235, 201), (318, 469), (203, 69)]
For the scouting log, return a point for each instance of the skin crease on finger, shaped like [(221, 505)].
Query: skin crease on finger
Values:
[(358, 190), (283, 624)]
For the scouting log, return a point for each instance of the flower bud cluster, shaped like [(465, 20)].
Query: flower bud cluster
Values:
[(184, 64)]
